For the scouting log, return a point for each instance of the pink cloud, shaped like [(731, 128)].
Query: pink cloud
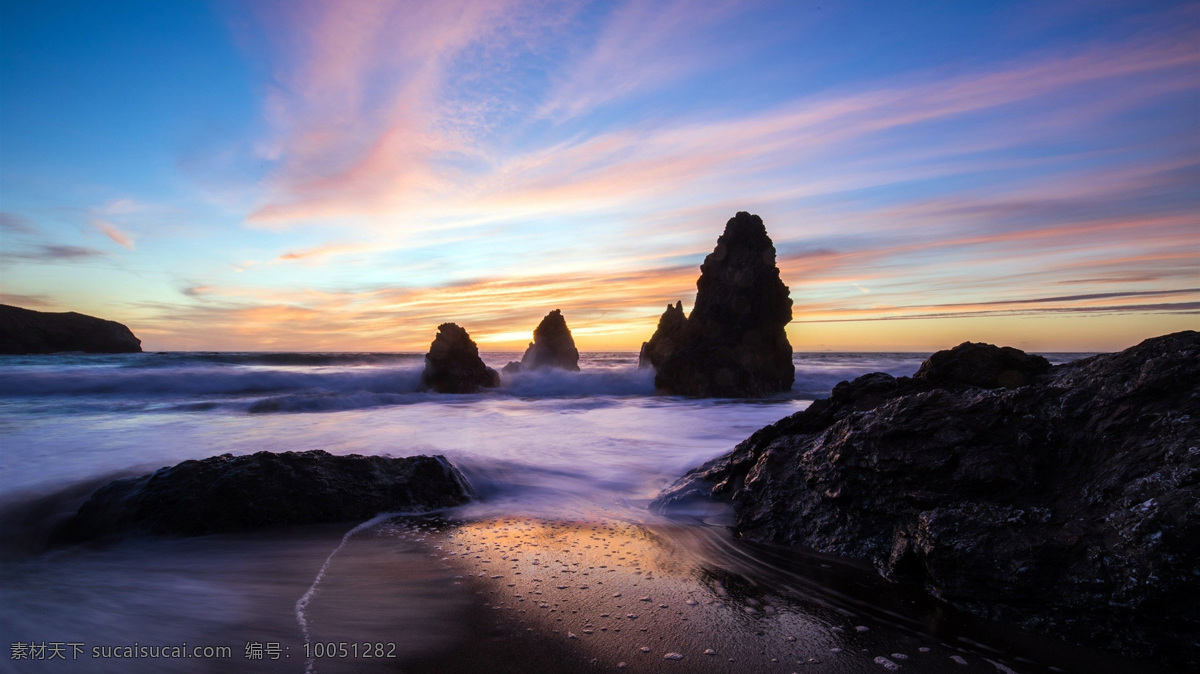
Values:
[(359, 93), (115, 233)]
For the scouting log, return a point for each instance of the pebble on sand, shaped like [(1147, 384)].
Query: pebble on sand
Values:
[(673, 656), (863, 628), (959, 659), (709, 651), (886, 664)]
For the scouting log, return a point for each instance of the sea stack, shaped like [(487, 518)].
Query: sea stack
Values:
[(552, 346), (670, 325), (24, 331), (734, 344), (453, 364)]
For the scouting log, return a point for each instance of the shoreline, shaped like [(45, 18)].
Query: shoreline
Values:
[(524, 594)]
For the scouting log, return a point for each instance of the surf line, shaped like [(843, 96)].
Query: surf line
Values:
[(302, 602)]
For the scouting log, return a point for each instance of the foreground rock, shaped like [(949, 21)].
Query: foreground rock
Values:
[(552, 346), (1069, 506), (241, 493), (453, 364), (734, 343), (23, 331)]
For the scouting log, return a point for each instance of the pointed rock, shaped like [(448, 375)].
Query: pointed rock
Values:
[(734, 343), (552, 345), (662, 343), (453, 364)]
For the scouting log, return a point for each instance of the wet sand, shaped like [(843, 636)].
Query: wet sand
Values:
[(620, 596), (502, 595)]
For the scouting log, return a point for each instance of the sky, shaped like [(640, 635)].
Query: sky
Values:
[(345, 176)]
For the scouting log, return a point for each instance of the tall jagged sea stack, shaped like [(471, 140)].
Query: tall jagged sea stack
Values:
[(734, 343)]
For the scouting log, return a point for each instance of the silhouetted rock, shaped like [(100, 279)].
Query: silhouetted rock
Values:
[(982, 365), (28, 331), (241, 493), (734, 343), (512, 367), (663, 342), (453, 364), (552, 345), (1070, 505)]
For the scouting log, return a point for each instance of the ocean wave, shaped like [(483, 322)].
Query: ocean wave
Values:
[(202, 381), (300, 382), (559, 383), (295, 359), (331, 402)]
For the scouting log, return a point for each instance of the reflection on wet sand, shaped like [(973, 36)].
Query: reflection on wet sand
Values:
[(688, 598)]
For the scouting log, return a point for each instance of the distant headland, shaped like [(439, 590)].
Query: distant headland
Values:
[(24, 331)]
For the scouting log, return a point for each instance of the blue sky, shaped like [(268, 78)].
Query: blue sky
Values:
[(312, 176)]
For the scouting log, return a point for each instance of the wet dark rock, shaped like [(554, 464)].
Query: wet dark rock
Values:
[(241, 493), (734, 343), (24, 331), (663, 342), (453, 364), (552, 345), (982, 365), (1069, 506), (512, 367)]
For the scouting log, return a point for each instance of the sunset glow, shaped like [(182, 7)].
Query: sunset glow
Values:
[(344, 176)]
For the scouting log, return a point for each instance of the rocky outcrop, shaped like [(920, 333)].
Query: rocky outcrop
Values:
[(552, 346), (734, 343), (982, 365), (453, 364), (24, 331), (1070, 505), (242, 493), (665, 338)]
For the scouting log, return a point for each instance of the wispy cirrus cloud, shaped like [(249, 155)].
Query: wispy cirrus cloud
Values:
[(54, 253), (15, 224), (115, 233), (26, 301), (355, 112), (643, 46), (318, 253)]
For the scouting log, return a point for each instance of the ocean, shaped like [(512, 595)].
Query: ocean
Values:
[(549, 454)]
